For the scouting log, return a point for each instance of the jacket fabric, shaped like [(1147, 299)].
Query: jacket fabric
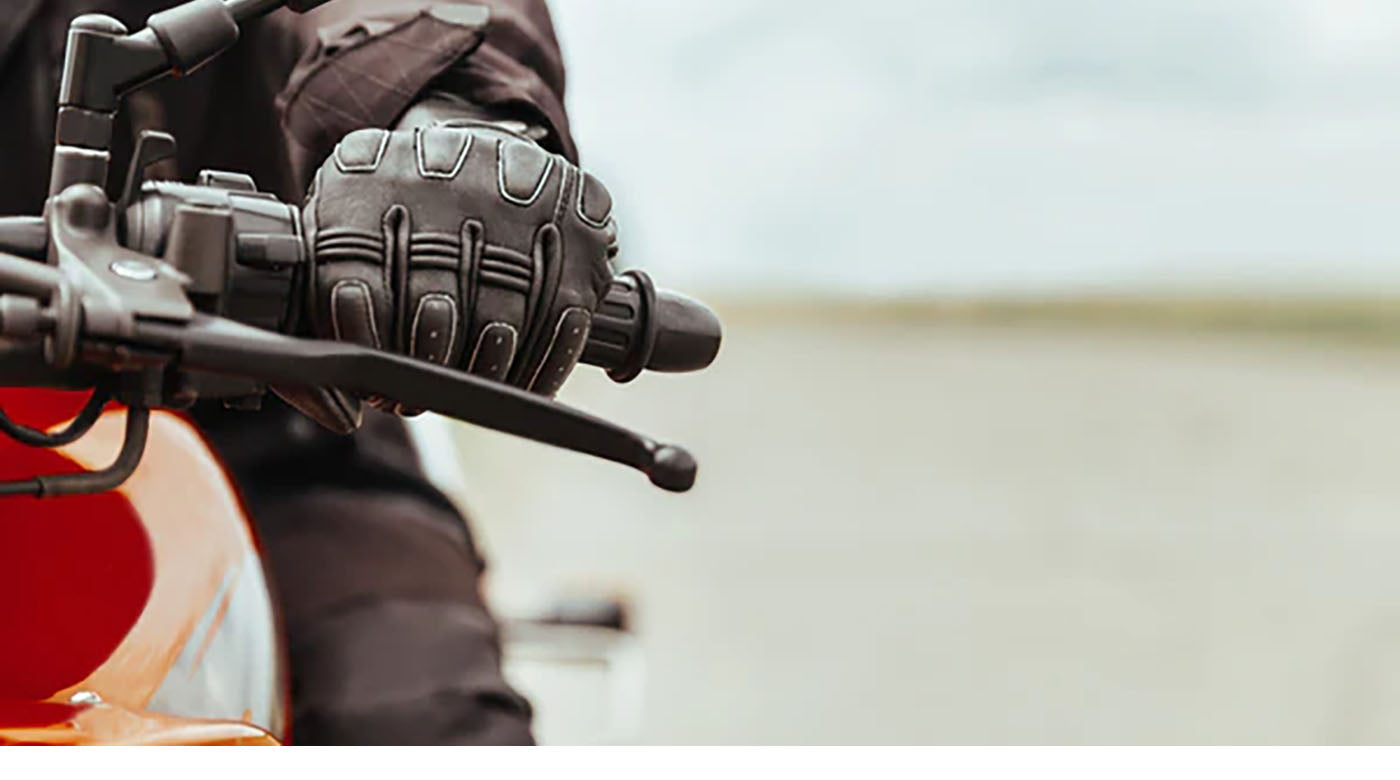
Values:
[(276, 104)]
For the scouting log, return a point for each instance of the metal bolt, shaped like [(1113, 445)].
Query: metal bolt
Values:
[(135, 270)]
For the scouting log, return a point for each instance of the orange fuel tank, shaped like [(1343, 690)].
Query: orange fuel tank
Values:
[(141, 615)]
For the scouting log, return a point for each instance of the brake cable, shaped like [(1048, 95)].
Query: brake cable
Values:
[(80, 425), (138, 422)]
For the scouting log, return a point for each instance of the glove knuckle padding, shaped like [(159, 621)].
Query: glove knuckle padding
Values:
[(594, 202), (565, 347), (571, 248), (582, 228), (464, 246), (353, 270), (512, 182), (523, 169), (430, 312)]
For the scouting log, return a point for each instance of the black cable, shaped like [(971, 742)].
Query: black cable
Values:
[(80, 425), (28, 487), (138, 421)]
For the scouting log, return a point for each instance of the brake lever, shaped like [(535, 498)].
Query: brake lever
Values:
[(104, 295), (221, 346)]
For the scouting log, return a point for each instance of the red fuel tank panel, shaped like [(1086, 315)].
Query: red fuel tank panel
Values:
[(75, 572)]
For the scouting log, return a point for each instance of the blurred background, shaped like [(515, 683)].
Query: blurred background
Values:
[(1060, 399)]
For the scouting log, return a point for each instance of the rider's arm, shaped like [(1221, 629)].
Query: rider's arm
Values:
[(369, 63), (494, 71)]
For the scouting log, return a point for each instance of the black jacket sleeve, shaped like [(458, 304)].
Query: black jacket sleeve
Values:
[(365, 63)]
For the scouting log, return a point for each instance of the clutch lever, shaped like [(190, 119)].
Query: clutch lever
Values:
[(221, 346)]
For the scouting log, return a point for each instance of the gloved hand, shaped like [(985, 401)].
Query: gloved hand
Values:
[(465, 245)]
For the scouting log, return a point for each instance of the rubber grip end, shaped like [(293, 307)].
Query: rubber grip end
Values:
[(673, 469)]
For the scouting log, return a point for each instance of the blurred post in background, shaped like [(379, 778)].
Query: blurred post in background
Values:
[(1060, 399)]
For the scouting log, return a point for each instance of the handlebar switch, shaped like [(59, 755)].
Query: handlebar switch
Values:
[(245, 254)]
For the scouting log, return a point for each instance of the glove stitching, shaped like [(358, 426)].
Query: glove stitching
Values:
[(435, 174), (514, 339), (369, 316), (501, 178), (572, 177), (558, 329), (369, 168), (550, 280), (418, 315), (584, 217)]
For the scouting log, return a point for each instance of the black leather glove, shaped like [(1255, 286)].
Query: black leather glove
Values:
[(465, 244)]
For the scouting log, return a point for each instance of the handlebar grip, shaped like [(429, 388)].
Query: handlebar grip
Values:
[(637, 327)]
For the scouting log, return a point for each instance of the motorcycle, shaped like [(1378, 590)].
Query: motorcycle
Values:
[(138, 609)]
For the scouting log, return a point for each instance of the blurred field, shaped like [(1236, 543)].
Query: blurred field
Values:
[(1026, 522)]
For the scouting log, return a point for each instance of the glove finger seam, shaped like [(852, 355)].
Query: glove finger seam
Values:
[(578, 209), (544, 284), (550, 277), (369, 167), (397, 225), (501, 178), (369, 310), (417, 317), (436, 174), (473, 241), (481, 340), (554, 340)]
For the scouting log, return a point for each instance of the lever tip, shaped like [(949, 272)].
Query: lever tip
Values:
[(672, 468)]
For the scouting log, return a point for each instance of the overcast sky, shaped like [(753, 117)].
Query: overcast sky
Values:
[(974, 146)]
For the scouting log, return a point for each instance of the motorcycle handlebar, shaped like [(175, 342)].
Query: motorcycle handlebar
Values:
[(638, 327), (227, 347), (635, 327)]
